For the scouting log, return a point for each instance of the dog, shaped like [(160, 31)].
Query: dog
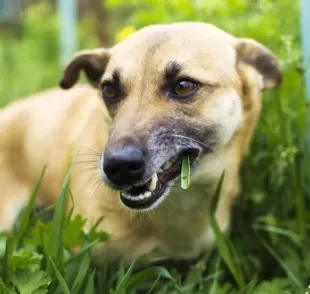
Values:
[(165, 93)]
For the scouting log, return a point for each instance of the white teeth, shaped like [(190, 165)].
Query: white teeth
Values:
[(153, 183), (147, 194), (138, 197)]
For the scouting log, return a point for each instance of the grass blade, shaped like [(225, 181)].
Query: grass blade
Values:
[(90, 286), (289, 273), (5, 258), (154, 285), (185, 173), (62, 283), (81, 275), (24, 223), (122, 286), (223, 246), (150, 273), (85, 249), (215, 283), (58, 222), (4, 289), (216, 196)]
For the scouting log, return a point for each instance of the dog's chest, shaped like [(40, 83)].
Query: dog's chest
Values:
[(181, 224)]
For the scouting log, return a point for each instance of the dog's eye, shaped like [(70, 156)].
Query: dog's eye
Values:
[(109, 92), (184, 88)]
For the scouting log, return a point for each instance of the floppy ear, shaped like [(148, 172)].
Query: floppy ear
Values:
[(261, 59), (92, 62)]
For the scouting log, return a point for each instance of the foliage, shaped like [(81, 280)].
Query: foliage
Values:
[(30, 62), (267, 249), (37, 258)]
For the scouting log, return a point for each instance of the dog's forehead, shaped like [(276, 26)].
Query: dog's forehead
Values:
[(186, 43)]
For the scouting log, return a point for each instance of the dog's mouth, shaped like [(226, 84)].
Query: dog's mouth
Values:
[(150, 194)]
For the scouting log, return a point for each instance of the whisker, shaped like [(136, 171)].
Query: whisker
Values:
[(100, 186), (192, 139), (201, 143), (141, 215), (91, 179), (85, 170), (88, 149), (166, 206), (94, 188), (148, 213), (85, 154), (169, 198), (86, 161), (131, 216)]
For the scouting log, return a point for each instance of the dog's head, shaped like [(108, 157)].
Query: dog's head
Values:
[(172, 91)]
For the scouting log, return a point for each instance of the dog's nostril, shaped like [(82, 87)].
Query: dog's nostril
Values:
[(135, 167), (112, 171)]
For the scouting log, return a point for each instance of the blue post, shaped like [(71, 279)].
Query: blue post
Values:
[(305, 31), (67, 29)]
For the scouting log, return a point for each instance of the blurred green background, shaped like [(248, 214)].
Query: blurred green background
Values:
[(269, 243)]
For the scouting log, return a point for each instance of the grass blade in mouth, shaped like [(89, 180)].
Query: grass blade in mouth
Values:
[(185, 173)]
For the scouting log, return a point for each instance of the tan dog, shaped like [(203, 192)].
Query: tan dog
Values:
[(164, 92)]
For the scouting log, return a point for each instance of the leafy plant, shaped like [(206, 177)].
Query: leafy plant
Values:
[(37, 257)]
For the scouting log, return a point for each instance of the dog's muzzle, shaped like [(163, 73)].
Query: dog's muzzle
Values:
[(124, 167)]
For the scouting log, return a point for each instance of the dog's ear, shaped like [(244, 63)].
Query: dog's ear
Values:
[(92, 62), (262, 59)]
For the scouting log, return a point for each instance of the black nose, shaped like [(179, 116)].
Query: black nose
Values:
[(124, 163)]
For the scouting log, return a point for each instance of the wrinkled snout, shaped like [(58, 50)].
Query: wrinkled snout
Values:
[(124, 162), (144, 167)]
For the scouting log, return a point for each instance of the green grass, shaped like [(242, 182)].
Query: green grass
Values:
[(37, 259), (267, 250)]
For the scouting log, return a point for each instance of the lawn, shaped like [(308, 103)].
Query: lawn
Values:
[(267, 250)]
